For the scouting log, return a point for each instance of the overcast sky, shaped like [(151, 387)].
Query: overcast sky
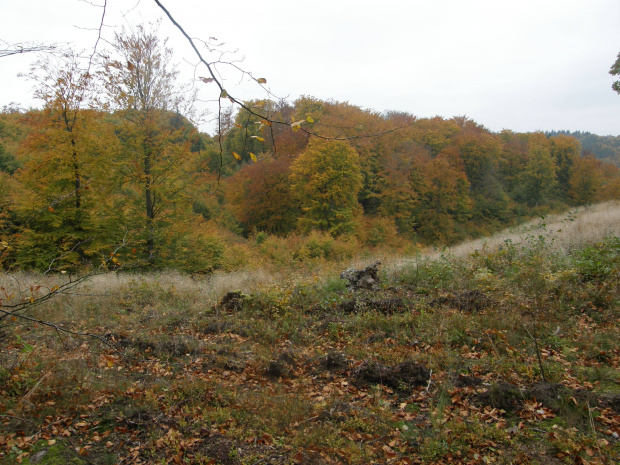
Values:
[(524, 65)]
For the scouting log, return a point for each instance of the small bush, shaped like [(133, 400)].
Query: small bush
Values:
[(598, 262)]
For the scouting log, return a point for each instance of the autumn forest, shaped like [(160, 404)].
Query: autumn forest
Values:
[(113, 170), (299, 281)]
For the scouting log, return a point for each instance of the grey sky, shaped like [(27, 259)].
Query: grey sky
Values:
[(522, 65)]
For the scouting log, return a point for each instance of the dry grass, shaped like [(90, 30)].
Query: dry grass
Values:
[(568, 230), (292, 376)]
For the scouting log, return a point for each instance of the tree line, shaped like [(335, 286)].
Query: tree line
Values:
[(113, 157)]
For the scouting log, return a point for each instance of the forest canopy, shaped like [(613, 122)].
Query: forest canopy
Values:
[(113, 158)]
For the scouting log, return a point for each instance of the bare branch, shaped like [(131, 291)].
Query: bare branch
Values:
[(236, 101), (8, 49)]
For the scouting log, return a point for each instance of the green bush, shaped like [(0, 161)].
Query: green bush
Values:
[(598, 262)]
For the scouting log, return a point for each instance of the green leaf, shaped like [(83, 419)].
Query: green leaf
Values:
[(261, 81), (27, 349), (223, 94)]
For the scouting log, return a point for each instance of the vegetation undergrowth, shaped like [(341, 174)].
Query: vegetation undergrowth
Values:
[(504, 351)]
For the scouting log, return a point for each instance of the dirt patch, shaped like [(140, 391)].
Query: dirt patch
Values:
[(175, 347), (502, 395), (334, 361), (217, 327), (611, 401), (227, 451), (466, 301), (549, 394), (224, 450), (337, 413), (463, 381), (281, 366), (402, 376)]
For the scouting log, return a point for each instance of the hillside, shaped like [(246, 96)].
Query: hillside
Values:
[(500, 351), (268, 195), (605, 148)]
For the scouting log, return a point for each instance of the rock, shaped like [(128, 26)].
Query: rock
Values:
[(36, 458), (365, 279)]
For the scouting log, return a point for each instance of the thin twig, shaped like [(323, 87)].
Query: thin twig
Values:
[(430, 380), (540, 364), (234, 100)]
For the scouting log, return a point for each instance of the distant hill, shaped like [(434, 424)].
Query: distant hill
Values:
[(605, 148)]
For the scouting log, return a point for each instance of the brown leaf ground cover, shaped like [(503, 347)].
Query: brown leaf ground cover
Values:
[(503, 356)]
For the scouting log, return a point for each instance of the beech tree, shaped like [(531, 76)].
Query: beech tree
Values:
[(158, 164), (262, 197), (565, 150), (539, 176), (585, 180), (61, 153), (326, 179)]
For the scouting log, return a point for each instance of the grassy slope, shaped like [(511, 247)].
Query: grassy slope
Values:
[(438, 365)]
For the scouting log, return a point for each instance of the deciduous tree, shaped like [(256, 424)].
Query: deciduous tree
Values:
[(158, 162), (326, 179), (615, 71), (539, 176)]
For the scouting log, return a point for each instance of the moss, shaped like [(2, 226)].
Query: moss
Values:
[(58, 454)]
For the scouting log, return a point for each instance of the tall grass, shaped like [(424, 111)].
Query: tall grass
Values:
[(568, 230)]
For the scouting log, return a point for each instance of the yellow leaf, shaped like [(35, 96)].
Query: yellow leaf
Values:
[(260, 139), (253, 157), (310, 119), (261, 81), (236, 155)]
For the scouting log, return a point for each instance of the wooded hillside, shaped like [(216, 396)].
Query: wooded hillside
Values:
[(112, 168)]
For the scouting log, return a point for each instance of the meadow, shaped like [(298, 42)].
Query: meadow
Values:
[(505, 349)]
